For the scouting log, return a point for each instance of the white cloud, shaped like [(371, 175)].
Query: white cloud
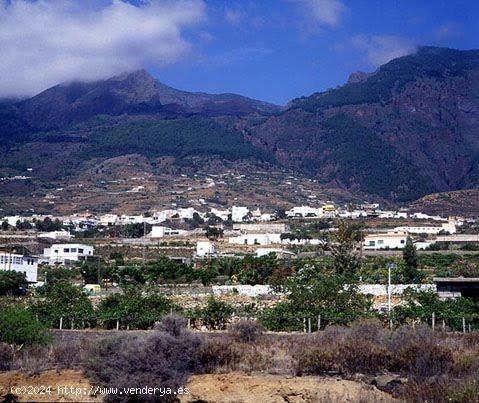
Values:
[(324, 12), (379, 49), (49, 41), (449, 30)]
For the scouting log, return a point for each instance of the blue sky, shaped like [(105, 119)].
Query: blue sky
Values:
[(277, 50), (274, 50)]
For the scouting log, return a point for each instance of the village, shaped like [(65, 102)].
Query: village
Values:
[(191, 236)]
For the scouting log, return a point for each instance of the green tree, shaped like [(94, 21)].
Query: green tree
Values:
[(133, 309), (11, 282), (20, 327), (94, 272), (312, 292), (346, 260), (55, 275), (215, 314), (411, 271), (214, 233), (63, 300)]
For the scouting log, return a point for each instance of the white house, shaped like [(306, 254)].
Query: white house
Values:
[(223, 214), (388, 240), (158, 231), (62, 252), (305, 211), (450, 227), (109, 219), (21, 264), (238, 213), (255, 239), (205, 248)]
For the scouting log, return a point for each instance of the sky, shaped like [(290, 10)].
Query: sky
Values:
[(273, 50)]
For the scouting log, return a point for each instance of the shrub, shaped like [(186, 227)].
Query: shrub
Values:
[(172, 324), (418, 352), (246, 331), (364, 349), (215, 314), (18, 326), (6, 356), (218, 352), (12, 282), (135, 361)]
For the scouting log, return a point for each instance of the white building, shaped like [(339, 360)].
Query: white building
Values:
[(223, 214), (449, 227), (109, 219), (255, 239), (60, 253), (238, 213), (158, 231), (21, 264), (186, 213), (205, 248), (388, 240), (257, 228), (57, 235), (305, 211)]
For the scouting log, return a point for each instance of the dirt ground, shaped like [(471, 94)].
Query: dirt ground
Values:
[(72, 386)]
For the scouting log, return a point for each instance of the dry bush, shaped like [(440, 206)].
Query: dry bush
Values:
[(218, 353), (6, 356), (418, 352), (159, 358), (364, 349), (69, 354), (172, 324), (246, 331)]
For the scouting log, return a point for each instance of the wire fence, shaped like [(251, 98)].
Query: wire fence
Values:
[(286, 323)]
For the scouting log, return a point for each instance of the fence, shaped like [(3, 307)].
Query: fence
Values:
[(305, 324)]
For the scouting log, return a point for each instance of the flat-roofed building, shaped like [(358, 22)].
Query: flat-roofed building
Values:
[(21, 264)]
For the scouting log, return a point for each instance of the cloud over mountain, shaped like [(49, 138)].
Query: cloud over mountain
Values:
[(48, 41)]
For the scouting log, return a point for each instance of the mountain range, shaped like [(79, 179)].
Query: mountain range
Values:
[(408, 129)]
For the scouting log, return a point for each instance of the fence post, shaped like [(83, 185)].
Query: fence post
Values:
[(443, 325), (309, 325), (319, 323), (61, 322), (73, 324), (463, 325), (304, 325), (189, 323), (433, 321), (117, 324)]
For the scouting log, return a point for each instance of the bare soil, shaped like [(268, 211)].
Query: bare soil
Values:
[(211, 388)]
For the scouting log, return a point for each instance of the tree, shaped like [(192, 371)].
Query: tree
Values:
[(19, 327), (23, 225), (411, 272), (94, 272), (55, 275), (312, 292), (63, 300), (5, 225), (133, 309), (346, 261), (214, 233), (47, 225), (12, 282), (215, 314)]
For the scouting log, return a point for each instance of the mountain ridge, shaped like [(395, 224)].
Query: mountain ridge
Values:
[(406, 130)]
